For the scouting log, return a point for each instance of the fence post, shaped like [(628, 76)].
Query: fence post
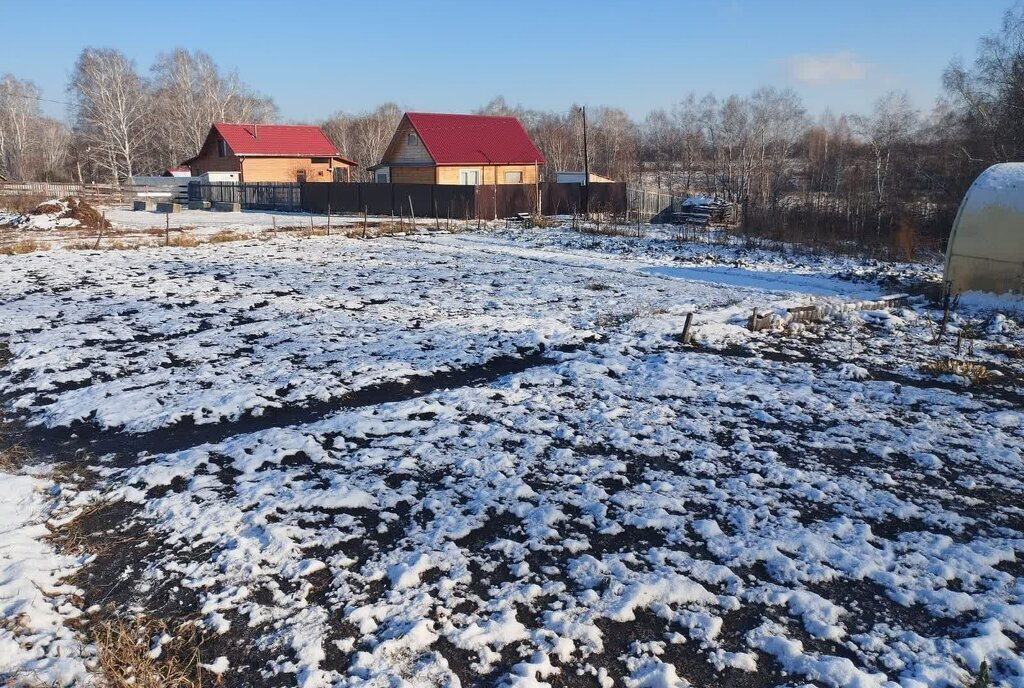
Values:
[(686, 327)]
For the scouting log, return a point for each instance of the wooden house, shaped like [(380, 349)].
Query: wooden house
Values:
[(432, 148), (271, 153)]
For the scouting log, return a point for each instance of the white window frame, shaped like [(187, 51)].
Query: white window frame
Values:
[(519, 176), (382, 176), (464, 177)]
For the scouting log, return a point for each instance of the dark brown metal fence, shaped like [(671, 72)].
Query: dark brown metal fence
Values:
[(253, 196), (486, 201)]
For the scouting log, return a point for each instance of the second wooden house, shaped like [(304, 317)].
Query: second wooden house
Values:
[(434, 148)]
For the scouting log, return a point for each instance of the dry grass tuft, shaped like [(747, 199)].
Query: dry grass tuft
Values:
[(24, 246), (975, 373), (386, 228), (115, 245), (226, 236), (542, 222), (81, 246), (617, 319), (12, 458), (126, 649), (597, 286), (1008, 350), (183, 241)]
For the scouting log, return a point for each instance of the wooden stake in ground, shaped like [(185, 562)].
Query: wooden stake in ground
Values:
[(686, 327), (99, 234), (328, 219), (412, 214), (273, 221), (167, 229)]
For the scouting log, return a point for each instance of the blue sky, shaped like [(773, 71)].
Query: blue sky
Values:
[(315, 58)]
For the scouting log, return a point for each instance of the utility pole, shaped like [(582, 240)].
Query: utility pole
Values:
[(586, 166)]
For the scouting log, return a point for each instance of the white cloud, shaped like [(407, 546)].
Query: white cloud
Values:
[(822, 69)]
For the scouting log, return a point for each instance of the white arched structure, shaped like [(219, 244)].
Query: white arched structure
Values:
[(986, 247)]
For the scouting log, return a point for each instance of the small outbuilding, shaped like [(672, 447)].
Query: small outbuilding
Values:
[(986, 247), (578, 177)]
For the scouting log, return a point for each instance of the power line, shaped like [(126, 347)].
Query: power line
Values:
[(45, 100)]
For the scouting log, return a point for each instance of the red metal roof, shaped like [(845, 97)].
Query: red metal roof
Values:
[(474, 138), (276, 139)]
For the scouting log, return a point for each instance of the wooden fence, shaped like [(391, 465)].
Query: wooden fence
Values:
[(90, 192), (106, 194)]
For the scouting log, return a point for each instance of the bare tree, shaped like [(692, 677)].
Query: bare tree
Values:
[(190, 94), (886, 130), (780, 121), (19, 112), (111, 103), (364, 137), (991, 94), (50, 158)]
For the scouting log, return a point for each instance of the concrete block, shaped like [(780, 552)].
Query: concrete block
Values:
[(168, 207), (199, 205), (227, 207), (142, 205)]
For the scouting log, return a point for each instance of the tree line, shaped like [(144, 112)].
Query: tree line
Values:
[(892, 176)]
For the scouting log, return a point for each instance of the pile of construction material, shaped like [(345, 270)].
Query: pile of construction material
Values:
[(62, 213), (704, 211)]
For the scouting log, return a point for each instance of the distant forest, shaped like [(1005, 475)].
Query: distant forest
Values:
[(893, 177)]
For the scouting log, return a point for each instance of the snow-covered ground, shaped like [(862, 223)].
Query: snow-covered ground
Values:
[(36, 645), (144, 228), (488, 458)]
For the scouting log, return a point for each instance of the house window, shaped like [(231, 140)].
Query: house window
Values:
[(222, 148), (300, 176), (513, 177), (382, 176), (410, 139), (469, 177)]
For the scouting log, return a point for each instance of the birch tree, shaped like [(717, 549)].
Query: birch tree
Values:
[(189, 94), (887, 129), (364, 137), (19, 112), (991, 93), (110, 108)]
